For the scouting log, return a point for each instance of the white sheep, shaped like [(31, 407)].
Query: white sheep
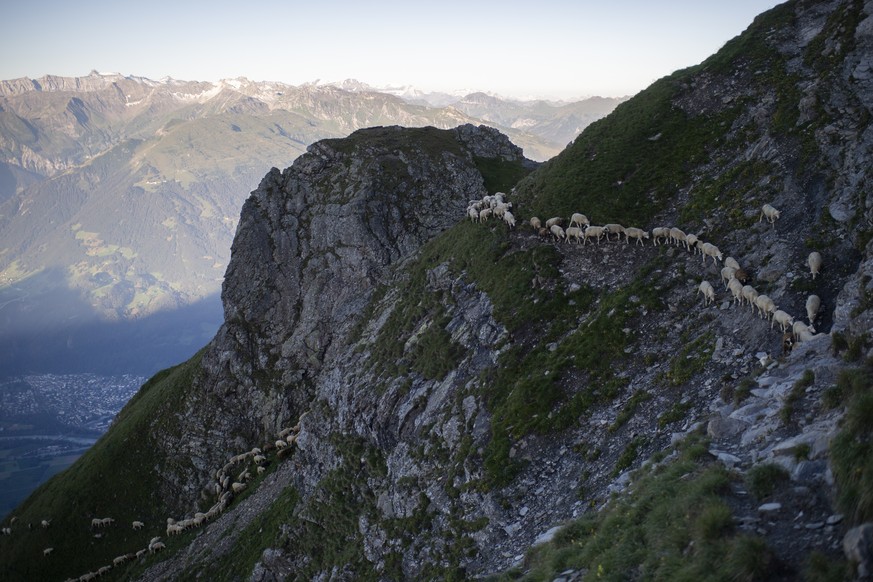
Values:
[(691, 240), (801, 331), (484, 214), (259, 459), (592, 231), (708, 292), (237, 487), (660, 232), (138, 525), (727, 273), (771, 213), (7, 531), (103, 570), (473, 214), (509, 219), (732, 262), (96, 522), (765, 306), (261, 470), (579, 220), (141, 553), (555, 220), (635, 233), (783, 319), (45, 523), (710, 250), (678, 236), (750, 294), (814, 262), (813, 304), (154, 540), (557, 232), (573, 232), (613, 228), (535, 223), (500, 210), (736, 290), (174, 529), (156, 547), (47, 551), (281, 444)]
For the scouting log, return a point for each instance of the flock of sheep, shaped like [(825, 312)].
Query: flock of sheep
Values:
[(224, 488), (734, 277)]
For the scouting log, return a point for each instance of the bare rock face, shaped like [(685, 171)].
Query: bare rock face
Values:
[(312, 242)]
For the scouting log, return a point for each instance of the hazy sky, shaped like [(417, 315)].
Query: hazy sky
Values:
[(549, 48)]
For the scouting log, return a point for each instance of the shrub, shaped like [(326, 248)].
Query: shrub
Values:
[(762, 480)]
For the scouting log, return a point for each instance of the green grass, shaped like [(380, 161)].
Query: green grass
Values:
[(118, 477), (765, 479), (674, 524), (795, 395), (852, 448)]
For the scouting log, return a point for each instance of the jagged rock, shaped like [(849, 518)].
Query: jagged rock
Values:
[(858, 548), (721, 427)]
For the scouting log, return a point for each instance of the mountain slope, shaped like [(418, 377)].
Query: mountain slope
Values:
[(454, 391)]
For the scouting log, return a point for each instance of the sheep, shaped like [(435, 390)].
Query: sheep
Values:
[(658, 233), (579, 220), (174, 529), (156, 547), (787, 343), (261, 470), (535, 223), (678, 236), (473, 214), (613, 228), (87, 577), (141, 553), (500, 210), (509, 219), (554, 221), (119, 560), (771, 213), (259, 459), (281, 444), (484, 214), (814, 262), (813, 303), (96, 522), (801, 331), (237, 487), (732, 262), (635, 233), (691, 241), (575, 232), (765, 306), (291, 439), (285, 432), (557, 231), (592, 231), (710, 250), (783, 319), (742, 276), (47, 551), (708, 292), (137, 525), (736, 290), (7, 531), (727, 273), (750, 294), (154, 540), (45, 523), (103, 570), (106, 521)]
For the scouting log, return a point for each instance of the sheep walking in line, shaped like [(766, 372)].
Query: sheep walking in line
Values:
[(138, 525), (771, 213), (750, 295), (593, 231), (736, 289), (727, 273), (814, 262), (708, 292), (710, 250), (813, 304), (535, 223), (579, 220), (801, 331), (678, 236), (557, 232), (732, 262), (635, 233), (47, 551), (509, 219), (554, 221), (659, 233), (691, 241), (783, 319), (765, 306), (612, 228), (573, 232)]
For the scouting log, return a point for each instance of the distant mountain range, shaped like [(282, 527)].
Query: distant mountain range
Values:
[(119, 195)]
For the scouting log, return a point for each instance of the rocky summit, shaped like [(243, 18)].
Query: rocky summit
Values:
[(647, 358)]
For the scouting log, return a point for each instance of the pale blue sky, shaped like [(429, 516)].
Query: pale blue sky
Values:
[(548, 48)]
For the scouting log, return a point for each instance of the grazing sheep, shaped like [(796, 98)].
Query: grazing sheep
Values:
[(138, 525), (613, 228), (45, 523), (592, 231), (574, 232), (813, 304), (47, 551), (500, 210), (732, 262), (96, 522), (237, 487), (659, 233), (736, 290), (119, 560), (473, 214), (557, 231), (814, 262), (484, 214), (174, 529), (156, 547), (635, 233), (800, 330), (783, 319), (535, 223), (765, 306), (154, 540), (691, 240), (708, 292), (281, 444), (710, 250), (543, 232), (749, 294), (509, 219), (285, 432), (259, 459), (555, 220), (771, 213), (579, 220), (103, 570), (727, 273), (106, 521), (141, 553), (678, 236), (261, 470)]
